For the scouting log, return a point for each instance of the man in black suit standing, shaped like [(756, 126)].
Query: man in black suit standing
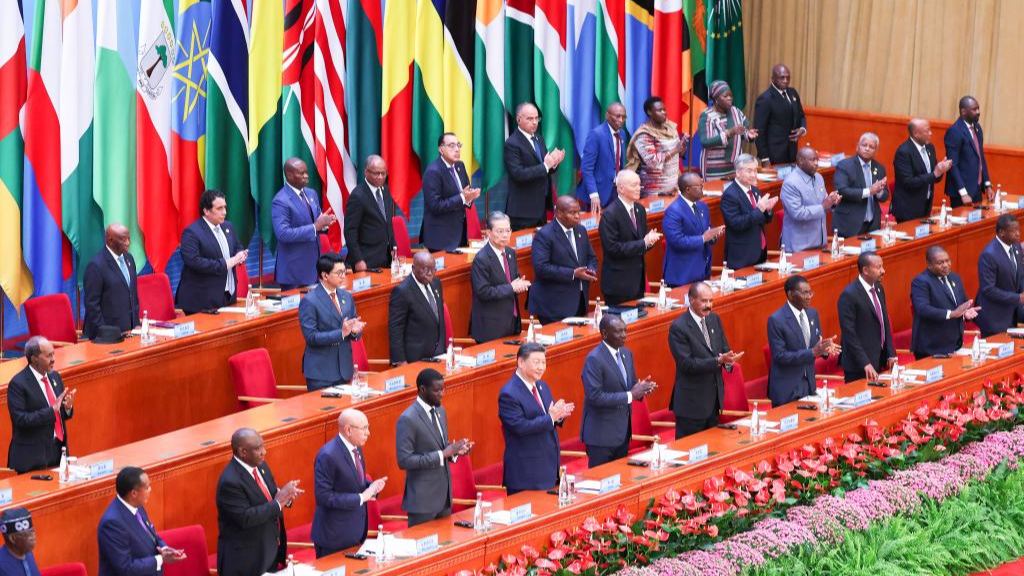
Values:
[(918, 170), (250, 510), (624, 241), (210, 251), (864, 322), (111, 287), (416, 314), (779, 120), (940, 307), (529, 166), (446, 195), (40, 408), (698, 344), (497, 285), (564, 264), (369, 235), (861, 183), (746, 211)]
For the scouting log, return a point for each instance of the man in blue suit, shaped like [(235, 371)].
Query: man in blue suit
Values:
[(860, 181), (298, 221), (16, 555), (806, 204), (1000, 280), (564, 264), (343, 487), (210, 251), (940, 307), (688, 234), (129, 544), (965, 146), (794, 338), (610, 386), (110, 285), (529, 420), (746, 212), (604, 154), (327, 316), (446, 195)]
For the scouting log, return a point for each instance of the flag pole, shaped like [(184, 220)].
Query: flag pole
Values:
[(689, 127), (3, 332), (261, 263)]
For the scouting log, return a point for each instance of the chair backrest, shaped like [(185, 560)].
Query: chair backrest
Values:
[(640, 419), (325, 244), (463, 483), (735, 392), (359, 357), (155, 297), (191, 539), (473, 231), (448, 324), (51, 316), (401, 237), (72, 569), (767, 356), (253, 375), (241, 281)]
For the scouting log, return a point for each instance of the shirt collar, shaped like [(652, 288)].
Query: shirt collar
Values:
[(627, 204), (696, 318), (248, 469), (426, 407), (793, 308), (742, 187), (612, 130), (690, 203), (210, 224), (564, 229), (327, 289), (614, 351), (529, 385), (1006, 247), (348, 445), (373, 189), (864, 283), (39, 377), (864, 162), (529, 137), (781, 92), (294, 189), (115, 256), (499, 252), (420, 284), (130, 508)]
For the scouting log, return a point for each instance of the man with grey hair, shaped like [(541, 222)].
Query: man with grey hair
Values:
[(861, 183), (624, 240), (530, 168), (746, 211), (40, 407), (497, 284)]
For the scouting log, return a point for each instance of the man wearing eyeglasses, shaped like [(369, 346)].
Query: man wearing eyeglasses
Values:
[(795, 341), (446, 196), (327, 316)]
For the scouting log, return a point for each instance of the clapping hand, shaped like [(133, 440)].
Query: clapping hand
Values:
[(67, 399), (470, 194), (375, 487), (879, 187), (652, 237), (729, 358), (584, 273), (170, 555), (520, 285), (560, 410), (288, 492), (713, 233), (967, 311), (352, 326), (766, 202), (643, 388)]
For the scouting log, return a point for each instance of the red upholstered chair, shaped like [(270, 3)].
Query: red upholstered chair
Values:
[(736, 404), (901, 341), (364, 362), (51, 316), (473, 231), (300, 543), (401, 237), (826, 370), (465, 487), (155, 297), (242, 282), (645, 430), (253, 375), (325, 244), (72, 569), (191, 539), (449, 331)]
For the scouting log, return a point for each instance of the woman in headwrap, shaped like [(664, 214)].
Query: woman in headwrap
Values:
[(722, 129), (655, 149)]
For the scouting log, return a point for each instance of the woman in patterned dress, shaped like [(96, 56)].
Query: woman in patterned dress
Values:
[(722, 129), (655, 149)]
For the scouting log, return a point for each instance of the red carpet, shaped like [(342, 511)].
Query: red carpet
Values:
[(1011, 569)]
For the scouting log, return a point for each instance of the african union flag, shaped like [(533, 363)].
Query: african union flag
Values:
[(188, 101)]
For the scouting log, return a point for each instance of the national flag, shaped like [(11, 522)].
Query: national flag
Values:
[(265, 73), (725, 48), (639, 45), (363, 45), (15, 278), (549, 85), (490, 125), (188, 100), (227, 112), (580, 68), (396, 102), (298, 107), (519, 57), (610, 52), (695, 37), (158, 216)]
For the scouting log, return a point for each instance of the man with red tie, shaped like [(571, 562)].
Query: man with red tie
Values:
[(39, 407), (864, 322), (965, 146), (497, 284), (250, 510), (746, 212)]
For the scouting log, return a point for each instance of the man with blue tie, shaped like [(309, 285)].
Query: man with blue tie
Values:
[(343, 487), (129, 544), (16, 557), (530, 167), (564, 264), (806, 204), (746, 211), (604, 154), (298, 222), (940, 307), (1000, 281), (210, 251), (529, 423), (446, 195), (111, 285), (327, 316), (688, 234), (610, 386), (965, 146), (795, 342), (861, 183)]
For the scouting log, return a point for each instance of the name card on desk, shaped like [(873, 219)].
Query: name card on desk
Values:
[(629, 316), (789, 423), (867, 246), (755, 279), (1005, 350), (394, 384), (484, 358), (339, 571), (100, 469), (1020, 203), (426, 544), (563, 335), (861, 398), (290, 302), (184, 329), (698, 453), (837, 158), (922, 230), (439, 263), (591, 223), (524, 241), (520, 513), (360, 284), (656, 206), (974, 216), (6, 496), (811, 262), (783, 171), (610, 483), (933, 374)]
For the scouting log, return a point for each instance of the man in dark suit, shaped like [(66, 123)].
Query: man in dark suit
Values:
[(864, 322), (529, 166), (342, 487), (610, 386), (688, 234), (624, 241), (497, 285), (917, 171), (111, 285), (446, 195), (424, 452), (564, 264), (746, 212), (416, 314), (298, 222), (1000, 280), (940, 307), (965, 146), (698, 344), (210, 250), (604, 154), (779, 120), (794, 338), (40, 408), (529, 423), (128, 542), (329, 322), (369, 235), (250, 510), (861, 184), (16, 555)]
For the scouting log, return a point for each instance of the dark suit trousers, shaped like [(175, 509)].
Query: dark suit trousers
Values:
[(322, 551), (419, 518), (312, 385), (597, 455), (688, 426), (228, 299), (581, 310), (519, 223), (859, 374)]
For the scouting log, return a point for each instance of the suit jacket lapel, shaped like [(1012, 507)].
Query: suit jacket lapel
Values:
[(695, 328), (423, 299), (429, 422), (609, 358)]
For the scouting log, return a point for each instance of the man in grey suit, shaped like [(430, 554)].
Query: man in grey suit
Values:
[(609, 387), (806, 204), (424, 452)]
